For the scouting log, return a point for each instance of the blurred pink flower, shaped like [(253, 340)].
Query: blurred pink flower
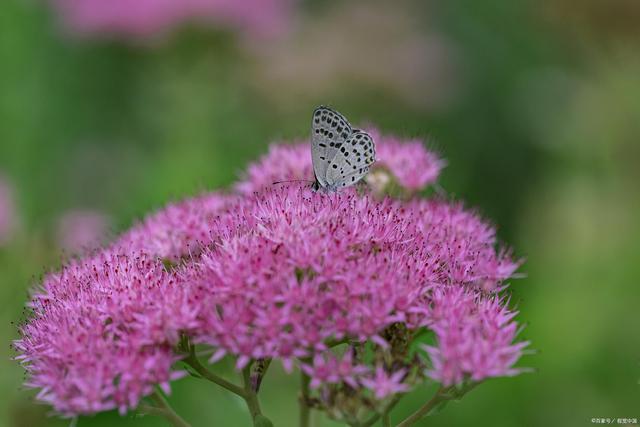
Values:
[(141, 19), (80, 231), (410, 164), (8, 212), (177, 230), (350, 47)]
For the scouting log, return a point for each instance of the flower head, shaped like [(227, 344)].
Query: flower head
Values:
[(283, 162), (408, 163), (283, 270), (341, 284), (461, 246), (290, 269), (475, 336), (177, 230), (102, 333)]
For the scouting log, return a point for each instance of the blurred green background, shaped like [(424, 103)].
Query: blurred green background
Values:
[(534, 104)]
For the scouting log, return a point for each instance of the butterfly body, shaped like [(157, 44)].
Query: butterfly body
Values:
[(341, 155)]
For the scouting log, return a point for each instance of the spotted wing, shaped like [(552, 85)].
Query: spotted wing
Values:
[(329, 131), (352, 160)]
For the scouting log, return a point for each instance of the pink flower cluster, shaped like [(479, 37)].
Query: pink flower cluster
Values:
[(177, 230), (406, 162), (102, 332), (412, 166), (146, 18), (292, 269), (475, 336), (461, 246), (281, 272)]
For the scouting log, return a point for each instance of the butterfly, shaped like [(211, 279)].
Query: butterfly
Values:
[(341, 155)]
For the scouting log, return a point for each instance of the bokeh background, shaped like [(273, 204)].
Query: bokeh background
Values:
[(110, 109)]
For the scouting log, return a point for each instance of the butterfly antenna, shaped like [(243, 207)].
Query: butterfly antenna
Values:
[(293, 180)]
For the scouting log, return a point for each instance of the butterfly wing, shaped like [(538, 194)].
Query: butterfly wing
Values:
[(351, 161), (329, 131)]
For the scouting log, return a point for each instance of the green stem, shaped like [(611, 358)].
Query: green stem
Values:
[(424, 409), (305, 411), (246, 391), (386, 420), (193, 361), (374, 419), (249, 395), (443, 394), (164, 410)]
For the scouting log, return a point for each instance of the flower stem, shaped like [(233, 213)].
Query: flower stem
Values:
[(371, 421), (443, 394), (422, 411), (163, 409), (250, 396), (386, 420), (246, 391), (193, 361), (305, 411)]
